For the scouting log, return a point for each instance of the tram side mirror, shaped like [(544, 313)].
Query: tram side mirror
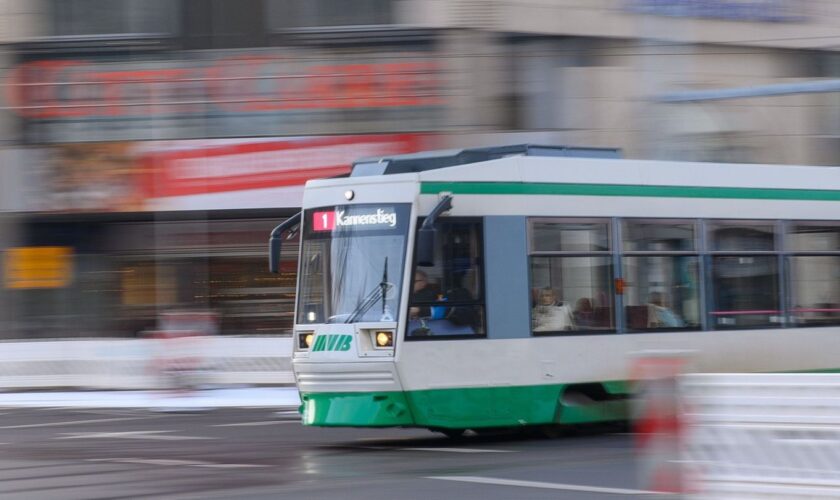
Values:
[(274, 245), (426, 246), (427, 233), (275, 241)]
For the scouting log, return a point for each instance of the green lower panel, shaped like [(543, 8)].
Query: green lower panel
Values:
[(618, 387), (472, 408), (607, 411), (384, 409), (464, 408), (485, 406)]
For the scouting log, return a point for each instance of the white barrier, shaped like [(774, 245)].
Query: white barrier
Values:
[(761, 435), (140, 363)]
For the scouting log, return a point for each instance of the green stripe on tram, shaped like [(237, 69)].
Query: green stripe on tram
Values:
[(521, 188)]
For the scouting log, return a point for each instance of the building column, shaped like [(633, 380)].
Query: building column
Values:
[(473, 63)]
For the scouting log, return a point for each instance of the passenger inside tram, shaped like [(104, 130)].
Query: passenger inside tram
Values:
[(584, 313), (551, 314), (661, 316)]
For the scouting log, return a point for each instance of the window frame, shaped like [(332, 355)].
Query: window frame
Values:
[(709, 255), (61, 16), (710, 224), (481, 300), (697, 252), (789, 254), (309, 17), (608, 255)]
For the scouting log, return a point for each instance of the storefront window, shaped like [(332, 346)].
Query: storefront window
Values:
[(112, 17), (285, 14), (128, 276)]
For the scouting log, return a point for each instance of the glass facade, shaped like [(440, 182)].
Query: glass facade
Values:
[(126, 276)]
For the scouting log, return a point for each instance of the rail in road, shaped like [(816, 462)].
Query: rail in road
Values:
[(266, 453)]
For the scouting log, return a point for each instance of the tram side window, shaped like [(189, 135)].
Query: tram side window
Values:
[(447, 299), (745, 276), (661, 275), (571, 276), (814, 273)]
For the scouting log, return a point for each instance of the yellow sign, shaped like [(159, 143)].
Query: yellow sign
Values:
[(38, 267)]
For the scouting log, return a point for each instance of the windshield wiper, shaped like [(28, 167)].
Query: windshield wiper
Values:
[(380, 292)]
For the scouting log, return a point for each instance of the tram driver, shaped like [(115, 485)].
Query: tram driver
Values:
[(423, 291), (427, 318)]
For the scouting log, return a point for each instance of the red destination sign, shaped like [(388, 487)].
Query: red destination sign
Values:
[(323, 221)]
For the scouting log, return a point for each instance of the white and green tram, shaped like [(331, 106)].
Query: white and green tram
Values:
[(513, 286)]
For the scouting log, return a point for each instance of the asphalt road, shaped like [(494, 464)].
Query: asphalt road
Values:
[(265, 453)]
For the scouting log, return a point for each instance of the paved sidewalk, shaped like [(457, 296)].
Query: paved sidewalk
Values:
[(265, 397)]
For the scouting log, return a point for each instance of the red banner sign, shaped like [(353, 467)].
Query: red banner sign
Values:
[(258, 164), (205, 174)]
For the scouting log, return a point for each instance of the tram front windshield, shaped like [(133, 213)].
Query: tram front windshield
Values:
[(352, 262)]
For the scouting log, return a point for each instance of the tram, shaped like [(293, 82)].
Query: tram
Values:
[(514, 286)]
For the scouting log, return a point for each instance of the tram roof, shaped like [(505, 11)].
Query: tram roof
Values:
[(533, 164), (433, 160)]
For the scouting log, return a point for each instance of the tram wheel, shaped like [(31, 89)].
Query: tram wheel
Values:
[(552, 431), (453, 433)]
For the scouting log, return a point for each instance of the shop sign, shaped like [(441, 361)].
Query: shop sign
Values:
[(778, 11), (38, 267), (190, 95)]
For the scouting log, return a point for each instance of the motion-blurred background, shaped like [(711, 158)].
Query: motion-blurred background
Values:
[(149, 146)]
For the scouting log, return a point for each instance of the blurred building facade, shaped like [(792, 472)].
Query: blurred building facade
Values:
[(149, 146)]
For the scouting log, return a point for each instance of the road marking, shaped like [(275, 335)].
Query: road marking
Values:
[(289, 415), (445, 450), (386, 439), (539, 484), (254, 424), (134, 412), (72, 422), (153, 435), (459, 450), (166, 462)]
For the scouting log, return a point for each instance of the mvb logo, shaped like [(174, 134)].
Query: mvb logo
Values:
[(332, 343)]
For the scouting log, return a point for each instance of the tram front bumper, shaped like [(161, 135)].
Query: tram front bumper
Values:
[(354, 394), (350, 409)]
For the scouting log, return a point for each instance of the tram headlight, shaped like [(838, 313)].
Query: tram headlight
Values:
[(305, 340), (384, 339)]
